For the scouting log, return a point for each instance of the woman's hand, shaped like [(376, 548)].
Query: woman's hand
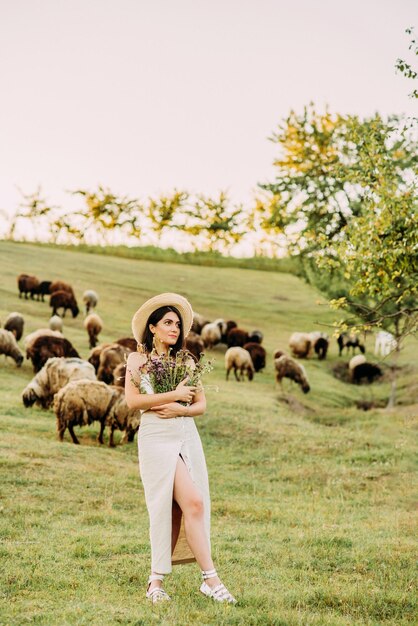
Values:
[(185, 393), (167, 411)]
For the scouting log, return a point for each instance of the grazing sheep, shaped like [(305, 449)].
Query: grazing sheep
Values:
[(366, 371), (123, 418), (320, 343), (279, 353), (255, 336), (82, 402), (300, 344), (230, 324), (43, 289), (350, 340), (222, 325), (55, 374), (27, 284), (63, 300), (237, 358), (128, 342), (90, 299), (237, 337), (119, 375), (15, 323), (9, 347), (286, 367), (212, 334), (55, 323), (195, 344), (30, 339), (94, 326), (110, 358), (46, 347), (94, 356), (385, 343), (198, 322), (60, 285), (258, 355), (356, 360)]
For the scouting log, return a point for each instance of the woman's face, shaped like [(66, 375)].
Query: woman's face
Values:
[(167, 330)]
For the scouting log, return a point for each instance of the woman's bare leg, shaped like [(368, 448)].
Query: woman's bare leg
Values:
[(190, 501)]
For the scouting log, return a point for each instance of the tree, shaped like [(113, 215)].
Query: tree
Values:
[(405, 68), (35, 210), (163, 211)]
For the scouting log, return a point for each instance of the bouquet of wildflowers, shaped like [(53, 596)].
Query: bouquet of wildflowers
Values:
[(166, 371)]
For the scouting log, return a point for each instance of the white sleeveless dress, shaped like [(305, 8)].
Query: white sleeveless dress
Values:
[(160, 443)]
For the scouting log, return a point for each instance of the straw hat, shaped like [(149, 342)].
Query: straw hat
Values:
[(183, 306)]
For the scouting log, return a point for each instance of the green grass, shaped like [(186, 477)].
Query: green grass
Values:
[(313, 519)]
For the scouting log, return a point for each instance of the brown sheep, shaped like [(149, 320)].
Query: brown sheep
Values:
[(195, 345), (286, 367), (27, 284), (237, 358), (198, 322), (237, 337), (15, 323), (94, 325), (110, 357), (9, 347), (123, 418), (258, 355), (43, 289), (46, 347), (255, 336), (128, 342), (94, 357), (82, 402), (60, 285), (119, 375), (54, 375), (30, 339), (63, 300)]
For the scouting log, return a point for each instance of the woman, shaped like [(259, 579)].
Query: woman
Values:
[(171, 459)]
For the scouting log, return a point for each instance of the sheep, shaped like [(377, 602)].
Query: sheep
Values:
[(237, 337), (55, 323), (258, 355), (9, 347), (230, 324), (119, 375), (15, 323), (286, 367), (212, 334), (81, 402), (27, 284), (368, 371), (123, 418), (255, 336), (43, 289), (237, 358), (94, 357), (222, 325), (46, 347), (300, 344), (63, 300), (54, 375), (195, 344), (110, 357), (30, 339), (279, 353), (90, 299), (385, 343), (198, 322), (350, 340), (60, 285), (94, 325), (128, 342), (356, 360), (320, 343)]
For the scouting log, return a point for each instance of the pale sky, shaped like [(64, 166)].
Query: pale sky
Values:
[(144, 96)]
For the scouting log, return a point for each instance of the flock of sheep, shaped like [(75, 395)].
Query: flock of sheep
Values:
[(85, 391)]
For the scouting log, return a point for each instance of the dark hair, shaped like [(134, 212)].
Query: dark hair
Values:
[(154, 318)]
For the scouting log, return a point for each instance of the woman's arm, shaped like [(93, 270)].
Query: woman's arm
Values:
[(144, 401), (174, 409)]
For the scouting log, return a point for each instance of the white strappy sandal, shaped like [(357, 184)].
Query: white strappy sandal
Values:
[(219, 593), (157, 594)]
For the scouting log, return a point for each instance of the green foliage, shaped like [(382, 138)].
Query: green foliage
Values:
[(163, 211), (406, 68)]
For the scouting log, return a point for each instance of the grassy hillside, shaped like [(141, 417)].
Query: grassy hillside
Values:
[(313, 515)]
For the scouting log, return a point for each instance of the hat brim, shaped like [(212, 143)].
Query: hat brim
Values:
[(139, 320)]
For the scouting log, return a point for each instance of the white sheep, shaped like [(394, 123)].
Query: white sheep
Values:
[(356, 360), (237, 358), (212, 334), (56, 323), (90, 299), (9, 347), (55, 374), (385, 343), (300, 344)]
